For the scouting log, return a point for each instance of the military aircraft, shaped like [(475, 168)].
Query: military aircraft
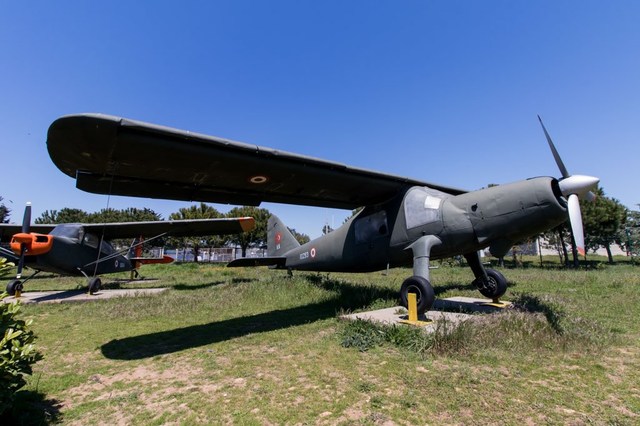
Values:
[(404, 221), (84, 249)]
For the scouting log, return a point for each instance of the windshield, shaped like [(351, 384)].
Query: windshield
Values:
[(73, 231)]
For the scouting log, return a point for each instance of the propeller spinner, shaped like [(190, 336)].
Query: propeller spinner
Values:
[(573, 187)]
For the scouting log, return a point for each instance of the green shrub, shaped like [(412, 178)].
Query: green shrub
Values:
[(17, 352), (5, 266)]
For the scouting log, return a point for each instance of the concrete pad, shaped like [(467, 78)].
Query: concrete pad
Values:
[(80, 295), (453, 310), (466, 304)]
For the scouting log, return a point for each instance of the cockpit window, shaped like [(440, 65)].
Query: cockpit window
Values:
[(106, 248), (369, 227), (422, 206), (91, 240), (75, 232)]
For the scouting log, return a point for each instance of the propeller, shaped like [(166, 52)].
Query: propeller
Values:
[(573, 187), (26, 225)]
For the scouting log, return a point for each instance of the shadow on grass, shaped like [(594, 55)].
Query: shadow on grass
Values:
[(349, 297), (553, 313), (32, 408)]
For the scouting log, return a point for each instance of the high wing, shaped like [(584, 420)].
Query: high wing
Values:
[(175, 228), (112, 155), (8, 230)]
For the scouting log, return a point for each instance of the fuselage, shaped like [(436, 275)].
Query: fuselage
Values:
[(76, 252), (495, 217)]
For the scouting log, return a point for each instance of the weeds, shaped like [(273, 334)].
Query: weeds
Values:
[(533, 324)]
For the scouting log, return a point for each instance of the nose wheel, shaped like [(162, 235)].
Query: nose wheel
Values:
[(14, 286)]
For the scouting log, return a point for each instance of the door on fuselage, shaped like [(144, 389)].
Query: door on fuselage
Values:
[(114, 263), (371, 234)]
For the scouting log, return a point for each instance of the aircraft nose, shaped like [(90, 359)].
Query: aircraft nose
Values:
[(34, 244)]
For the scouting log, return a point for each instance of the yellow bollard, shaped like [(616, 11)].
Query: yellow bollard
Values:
[(413, 307), (412, 303)]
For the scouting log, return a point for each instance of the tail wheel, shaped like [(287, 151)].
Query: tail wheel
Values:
[(494, 287), (95, 284), (13, 287), (423, 290)]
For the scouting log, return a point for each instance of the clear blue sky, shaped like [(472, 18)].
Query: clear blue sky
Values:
[(444, 91)]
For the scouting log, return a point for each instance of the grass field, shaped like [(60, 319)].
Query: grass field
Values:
[(253, 346)]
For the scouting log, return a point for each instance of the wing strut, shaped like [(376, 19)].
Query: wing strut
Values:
[(98, 260)]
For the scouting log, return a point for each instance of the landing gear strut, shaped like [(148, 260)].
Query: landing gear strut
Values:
[(419, 282), (489, 282)]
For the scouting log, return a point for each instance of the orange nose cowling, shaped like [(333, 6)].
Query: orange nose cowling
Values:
[(35, 244)]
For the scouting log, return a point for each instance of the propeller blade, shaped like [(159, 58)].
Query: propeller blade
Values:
[(556, 156), (26, 220), (575, 218), (26, 225)]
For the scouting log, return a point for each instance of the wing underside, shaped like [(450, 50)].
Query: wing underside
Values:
[(175, 228), (111, 155), (8, 230)]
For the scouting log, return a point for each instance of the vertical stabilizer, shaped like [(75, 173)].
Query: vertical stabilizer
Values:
[(279, 239)]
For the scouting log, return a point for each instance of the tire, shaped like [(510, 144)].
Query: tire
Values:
[(424, 292), (495, 287), (13, 286), (95, 284)]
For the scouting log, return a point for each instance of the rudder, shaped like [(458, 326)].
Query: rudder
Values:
[(279, 239)]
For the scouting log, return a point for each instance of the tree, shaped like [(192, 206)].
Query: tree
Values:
[(4, 212), (326, 229), (301, 238), (353, 213), (66, 215), (130, 214), (632, 233), (603, 221), (203, 211), (258, 236), (555, 238)]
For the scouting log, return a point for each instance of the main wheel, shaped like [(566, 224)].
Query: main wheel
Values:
[(13, 286), (94, 285), (495, 286), (423, 290)]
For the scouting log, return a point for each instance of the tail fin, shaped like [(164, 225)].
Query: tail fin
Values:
[(279, 239)]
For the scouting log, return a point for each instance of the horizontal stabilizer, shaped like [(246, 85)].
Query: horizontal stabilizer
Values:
[(152, 260), (274, 261)]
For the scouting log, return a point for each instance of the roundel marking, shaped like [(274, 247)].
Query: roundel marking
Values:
[(258, 179), (278, 237), (313, 252)]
